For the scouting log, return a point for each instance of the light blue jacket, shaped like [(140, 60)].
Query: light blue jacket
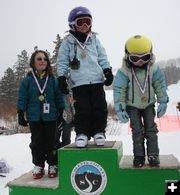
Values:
[(91, 66), (127, 92)]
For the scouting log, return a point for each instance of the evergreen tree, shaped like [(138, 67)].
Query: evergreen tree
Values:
[(8, 96), (21, 68), (55, 53), (7, 87)]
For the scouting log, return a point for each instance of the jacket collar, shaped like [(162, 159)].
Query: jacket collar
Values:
[(73, 40)]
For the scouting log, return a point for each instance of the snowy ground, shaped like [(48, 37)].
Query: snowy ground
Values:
[(14, 149)]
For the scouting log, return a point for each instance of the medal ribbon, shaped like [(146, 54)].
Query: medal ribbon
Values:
[(83, 46), (141, 87), (37, 83)]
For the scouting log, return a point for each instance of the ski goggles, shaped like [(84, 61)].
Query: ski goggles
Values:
[(79, 22), (135, 58)]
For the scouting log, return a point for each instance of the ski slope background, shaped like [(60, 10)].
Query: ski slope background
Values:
[(14, 149)]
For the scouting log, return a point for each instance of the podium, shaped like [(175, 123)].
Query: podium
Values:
[(99, 171)]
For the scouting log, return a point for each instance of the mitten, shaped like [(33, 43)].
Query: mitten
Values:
[(161, 109), (63, 86), (21, 119), (109, 76), (122, 114)]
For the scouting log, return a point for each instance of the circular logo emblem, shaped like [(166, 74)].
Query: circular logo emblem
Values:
[(88, 178)]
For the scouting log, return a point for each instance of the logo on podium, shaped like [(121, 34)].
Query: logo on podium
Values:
[(88, 178)]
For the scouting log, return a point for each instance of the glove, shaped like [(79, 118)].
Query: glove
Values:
[(122, 114), (63, 86), (21, 119), (161, 109), (178, 106), (109, 76)]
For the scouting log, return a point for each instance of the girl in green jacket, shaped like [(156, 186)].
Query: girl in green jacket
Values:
[(42, 102)]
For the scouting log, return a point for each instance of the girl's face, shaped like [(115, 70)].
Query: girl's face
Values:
[(83, 24), (83, 29), (40, 62)]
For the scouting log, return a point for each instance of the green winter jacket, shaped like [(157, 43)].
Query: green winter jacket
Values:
[(127, 92), (28, 98)]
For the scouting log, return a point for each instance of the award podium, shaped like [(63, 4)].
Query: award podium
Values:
[(99, 171)]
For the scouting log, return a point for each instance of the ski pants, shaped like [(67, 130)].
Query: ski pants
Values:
[(143, 128), (90, 109), (42, 142)]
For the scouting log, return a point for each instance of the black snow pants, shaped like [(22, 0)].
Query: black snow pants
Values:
[(42, 142), (90, 109)]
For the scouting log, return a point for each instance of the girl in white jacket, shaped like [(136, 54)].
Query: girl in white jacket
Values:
[(83, 57)]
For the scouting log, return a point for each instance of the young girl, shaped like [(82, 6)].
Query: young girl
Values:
[(136, 84), (82, 55), (42, 101)]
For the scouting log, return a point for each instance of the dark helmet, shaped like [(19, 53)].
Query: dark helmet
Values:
[(77, 12)]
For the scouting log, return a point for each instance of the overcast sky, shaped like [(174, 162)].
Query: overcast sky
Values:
[(27, 23)]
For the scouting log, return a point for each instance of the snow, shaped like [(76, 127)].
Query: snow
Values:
[(14, 149)]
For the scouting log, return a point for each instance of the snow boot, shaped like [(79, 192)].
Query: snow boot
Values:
[(99, 139), (81, 140), (38, 172), (138, 161), (52, 171), (153, 160)]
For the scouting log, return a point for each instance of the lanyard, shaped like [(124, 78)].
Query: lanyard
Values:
[(141, 87), (83, 46), (37, 83)]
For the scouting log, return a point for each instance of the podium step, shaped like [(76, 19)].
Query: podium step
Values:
[(91, 145), (27, 180), (166, 162)]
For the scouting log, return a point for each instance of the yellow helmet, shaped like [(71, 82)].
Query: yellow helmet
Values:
[(138, 44)]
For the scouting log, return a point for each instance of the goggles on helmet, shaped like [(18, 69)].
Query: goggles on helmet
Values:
[(79, 22), (135, 58)]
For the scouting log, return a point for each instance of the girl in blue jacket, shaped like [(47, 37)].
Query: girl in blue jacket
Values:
[(82, 56), (41, 100), (138, 84)]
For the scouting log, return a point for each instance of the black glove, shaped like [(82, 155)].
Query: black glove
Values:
[(178, 106), (21, 119), (63, 86), (109, 76)]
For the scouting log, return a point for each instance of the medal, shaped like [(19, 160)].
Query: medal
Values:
[(144, 99), (141, 87), (41, 98), (83, 54)]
